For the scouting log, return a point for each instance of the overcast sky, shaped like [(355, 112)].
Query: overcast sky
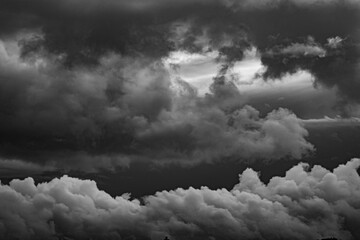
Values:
[(186, 119)]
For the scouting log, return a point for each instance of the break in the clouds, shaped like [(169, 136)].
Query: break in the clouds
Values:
[(307, 203)]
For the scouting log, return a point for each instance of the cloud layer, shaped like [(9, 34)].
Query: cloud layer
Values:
[(307, 203)]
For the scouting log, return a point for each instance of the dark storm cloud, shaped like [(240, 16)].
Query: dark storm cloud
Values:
[(88, 81), (84, 30), (81, 32), (128, 108), (322, 37), (304, 204)]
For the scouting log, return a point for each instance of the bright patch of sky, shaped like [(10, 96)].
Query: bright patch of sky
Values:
[(294, 91), (199, 70)]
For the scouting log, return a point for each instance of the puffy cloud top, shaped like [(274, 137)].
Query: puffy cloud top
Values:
[(307, 203)]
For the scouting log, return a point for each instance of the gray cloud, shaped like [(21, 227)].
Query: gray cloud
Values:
[(334, 63), (327, 122), (130, 109), (17, 168), (296, 50), (307, 203), (83, 86), (89, 81), (155, 28)]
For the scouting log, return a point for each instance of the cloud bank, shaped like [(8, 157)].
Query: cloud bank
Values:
[(307, 203)]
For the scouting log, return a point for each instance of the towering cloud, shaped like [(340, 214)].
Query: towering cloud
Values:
[(307, 203)]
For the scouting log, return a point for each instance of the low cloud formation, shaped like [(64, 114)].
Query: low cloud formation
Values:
[(307, 203)]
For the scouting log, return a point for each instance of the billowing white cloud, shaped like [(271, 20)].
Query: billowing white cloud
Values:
[(307, 203)]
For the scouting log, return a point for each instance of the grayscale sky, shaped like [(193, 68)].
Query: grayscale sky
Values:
[(186, 119)]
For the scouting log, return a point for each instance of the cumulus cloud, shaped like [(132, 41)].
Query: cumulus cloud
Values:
[(307, 203), (208, 134)]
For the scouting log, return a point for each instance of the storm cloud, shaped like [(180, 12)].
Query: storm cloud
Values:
[(87, 79), (88, 87), (128, 108), (307, 203)]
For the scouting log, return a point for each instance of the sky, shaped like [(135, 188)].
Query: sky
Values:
[(179, 119)]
